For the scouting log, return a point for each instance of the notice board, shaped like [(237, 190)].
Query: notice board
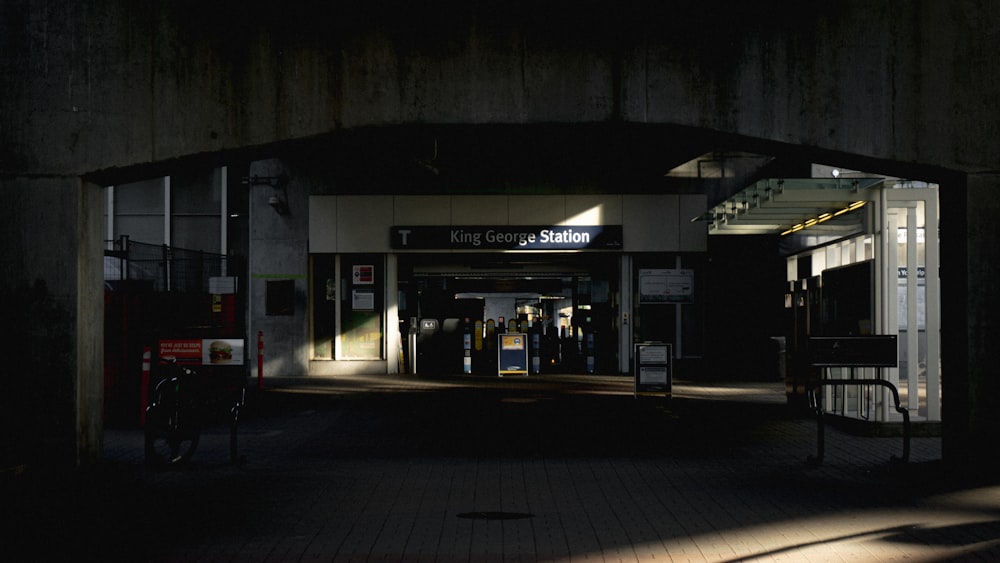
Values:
[(666, 286), (653, 366), (512, 354)]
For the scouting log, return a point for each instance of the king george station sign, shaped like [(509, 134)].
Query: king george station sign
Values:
[(508, 237)]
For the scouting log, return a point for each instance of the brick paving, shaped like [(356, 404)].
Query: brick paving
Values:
[(555, 468)]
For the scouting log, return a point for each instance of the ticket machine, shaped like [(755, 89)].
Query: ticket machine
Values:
[(467, 346), (589, 346), (535, 348)]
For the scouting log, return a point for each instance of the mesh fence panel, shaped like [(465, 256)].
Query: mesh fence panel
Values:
[(169, 269)]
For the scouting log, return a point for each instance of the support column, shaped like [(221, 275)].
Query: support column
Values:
[(912, 326), (932, 289), (52, 278), (970, 267)]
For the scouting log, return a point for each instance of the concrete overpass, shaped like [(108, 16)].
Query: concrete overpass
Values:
[(108, 92)]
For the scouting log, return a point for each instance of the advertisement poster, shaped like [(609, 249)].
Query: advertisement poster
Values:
[(205, 351), (512, 342)]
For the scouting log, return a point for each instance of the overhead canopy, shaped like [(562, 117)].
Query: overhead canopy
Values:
[(784, 206)]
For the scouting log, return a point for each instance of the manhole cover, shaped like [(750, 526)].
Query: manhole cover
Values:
[(495, 515)]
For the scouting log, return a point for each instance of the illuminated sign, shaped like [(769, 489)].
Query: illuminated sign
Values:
[(508, 237)]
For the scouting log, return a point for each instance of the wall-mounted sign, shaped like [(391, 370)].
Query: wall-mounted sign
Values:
[(364, 274), (224, 285), (508, 237), (666, 286), (363, 300)]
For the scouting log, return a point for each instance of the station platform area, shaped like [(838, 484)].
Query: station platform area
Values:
[(550, 468)]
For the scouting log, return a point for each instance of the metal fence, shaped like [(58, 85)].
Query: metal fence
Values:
[(168, 268)]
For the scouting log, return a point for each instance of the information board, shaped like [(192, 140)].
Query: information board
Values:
[(666, 286), (653, 367), (512, 354)]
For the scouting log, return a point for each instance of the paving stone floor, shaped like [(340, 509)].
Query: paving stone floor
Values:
[(553, 468)]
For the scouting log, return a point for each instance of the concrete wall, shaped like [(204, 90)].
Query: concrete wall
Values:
[(116, 89), (123, 83), (52, 294), (278, 251), (970, 329)]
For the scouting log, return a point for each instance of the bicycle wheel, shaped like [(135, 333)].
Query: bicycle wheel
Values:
[(172, 430)]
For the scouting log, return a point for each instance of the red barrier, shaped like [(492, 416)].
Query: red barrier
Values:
[(144, 385), (260, 359)]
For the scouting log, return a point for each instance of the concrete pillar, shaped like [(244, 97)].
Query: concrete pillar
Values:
[(970, 268), (51, 279)]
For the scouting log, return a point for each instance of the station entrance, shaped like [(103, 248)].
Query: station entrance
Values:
[(454, 307)]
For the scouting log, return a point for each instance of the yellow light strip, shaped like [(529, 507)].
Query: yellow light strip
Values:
[(824, 217), (794, 229)]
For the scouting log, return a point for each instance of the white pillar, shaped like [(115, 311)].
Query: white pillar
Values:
[(678, 350), (338, 341), (166, 211), (167, 277), (626, 315), (109, 209), (393, 341), (224, 217), (889, 290), (912, 304)]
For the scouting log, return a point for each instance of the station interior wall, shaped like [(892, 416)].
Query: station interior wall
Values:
[(657, 230)]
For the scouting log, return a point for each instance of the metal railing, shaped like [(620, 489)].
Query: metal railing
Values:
[(873, 351), (816, 402), (168, 268)]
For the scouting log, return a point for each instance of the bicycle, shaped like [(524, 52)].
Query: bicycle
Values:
[(180, 405)]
